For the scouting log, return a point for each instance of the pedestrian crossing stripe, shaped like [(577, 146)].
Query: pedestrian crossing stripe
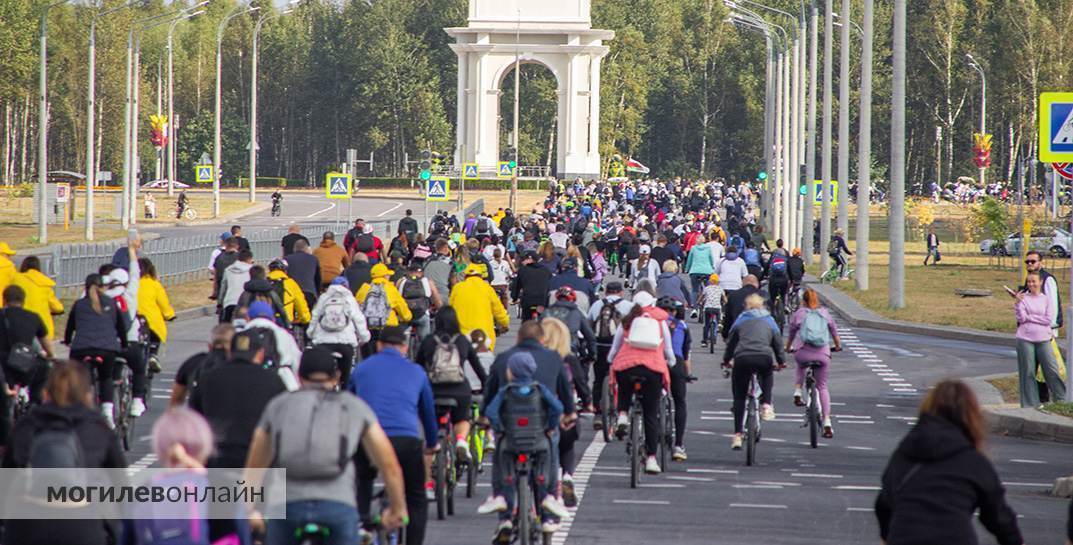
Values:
[(470, 171), (338, 185), (204, 174), (438, 188), (1056, 127), (504, 170)]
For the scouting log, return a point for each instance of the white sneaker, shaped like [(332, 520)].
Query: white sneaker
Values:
[(494, 504), (551, 504), (503, 531), (736, 442), (652, 466), (137, 408), (799, 397), (549, 527), (462, 450), (767, 413), (106, 410), (622, 425), (679, 454)]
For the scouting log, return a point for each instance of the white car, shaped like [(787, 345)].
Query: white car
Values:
[(163, 184), (1057, 244)]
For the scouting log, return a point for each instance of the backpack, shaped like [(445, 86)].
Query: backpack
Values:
[(752, 257), (446, 364), (268, 340), (173, 523), (311, 438), (581, 225), (56, 445), (833, 247), (814, 330), (645, 332), (376, 307), (333, 317), (558, 312), (438, 225), (280, 289), (483, 225), (364, 243), (608, 321), (777, 269), (413, 291), (523, 416)]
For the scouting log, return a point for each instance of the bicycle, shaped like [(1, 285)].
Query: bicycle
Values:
[(831, 275), (813, 409), (779, 312), (608, 403), (526, 516), (711, 328), (414, 341), (384, 536), (666, 419), (277, 208), (123, 397), (312, 533), (752, 420), (188, 213), (635, 443), (476, 441), (793, 298), (444, 470)]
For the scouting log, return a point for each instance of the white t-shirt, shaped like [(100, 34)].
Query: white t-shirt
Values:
[(731, 274)]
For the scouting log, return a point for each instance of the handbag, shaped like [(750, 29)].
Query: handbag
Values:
[(21, 357), (938, 256)]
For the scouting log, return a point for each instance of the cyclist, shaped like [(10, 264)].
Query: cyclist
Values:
[(753, 343), (421, 296), (21, 327), (338, 325), (94, 330), (320, 485), (778, 278), (795, 268), (282, 353), (189, 374), (382, 304), (154, 305), (40, 292), (835, 248), (277, 202), (482, 308), (7, 268), (670, 284), (260, 288), (566, 310), (233, 283), (443, 356), (681, 370), (812, 334), (606, 317), (558, 337), (399, 393), (642, 350), (124, 287), (66, 417), (295, 307), (181, 204), (531, 286), (711, 301)]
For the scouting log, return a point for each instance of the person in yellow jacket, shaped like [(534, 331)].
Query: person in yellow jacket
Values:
[(478, 305), (294, 301), (40, 292), (7, 268), (153, 303), (398, 312)]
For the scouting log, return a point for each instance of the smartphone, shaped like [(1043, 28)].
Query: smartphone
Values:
[(1009, 290)]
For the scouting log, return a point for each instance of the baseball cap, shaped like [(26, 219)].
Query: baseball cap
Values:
[(341, 281), (317, 360), (225, 235), (246, 344), (570, 263), (393, 335)]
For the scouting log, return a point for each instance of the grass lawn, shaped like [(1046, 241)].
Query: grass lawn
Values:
[(184, 296), (21, 236), (1008, 386), (1062, 408)]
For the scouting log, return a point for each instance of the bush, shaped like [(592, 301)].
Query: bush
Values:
[(990, 219)]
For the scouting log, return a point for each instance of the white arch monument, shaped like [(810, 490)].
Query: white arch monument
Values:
[(557, 34)]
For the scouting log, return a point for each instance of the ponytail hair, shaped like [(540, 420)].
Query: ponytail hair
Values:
[(94, 291)]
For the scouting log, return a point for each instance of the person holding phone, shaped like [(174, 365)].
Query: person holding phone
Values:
[(1035, 313), (1034, 263)]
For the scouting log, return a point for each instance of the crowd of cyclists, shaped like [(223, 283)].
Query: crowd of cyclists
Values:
[(356, 360)]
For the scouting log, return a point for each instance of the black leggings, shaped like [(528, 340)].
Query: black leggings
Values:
[(744, 366), (345, 361), (135, 356), (650, 392), (580, 378), (410, 453), (105, 371), (567, 457), (600, 369), (678, 393)]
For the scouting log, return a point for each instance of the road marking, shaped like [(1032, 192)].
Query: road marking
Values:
[(719, 471), (908, 390), (1039, 485), (756, 506), (861, 448), (702, 432), (690, 479), (643, 502), (902, 385), (908, 419), (319, 212), (775, 483), (717, 418), (1023, 461), (891, 379), (758, 486), (856, 422), (161, 397), (815, 476), (610, 474), (884, 406), (389, 210), (860, 509), (856, 487), (853, 416), (887, 374), (662, 485), (582, 474)]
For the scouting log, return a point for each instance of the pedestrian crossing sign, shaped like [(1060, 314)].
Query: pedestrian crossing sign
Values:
[(204, 174), (503, 170), (1056, 127), (470, 171), (438, 188), (338, 185), (818, 193)]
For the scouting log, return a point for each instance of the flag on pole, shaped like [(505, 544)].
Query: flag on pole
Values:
[(633, 165)]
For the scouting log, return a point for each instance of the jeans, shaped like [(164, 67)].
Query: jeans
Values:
[(1031, 355), (650, 393), (410, 453), (341, 520), (423, 324), (697, 282), (744, 367)]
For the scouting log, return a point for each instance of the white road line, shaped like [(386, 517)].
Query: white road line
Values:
[(860, 509), (861, 448), (703, 432), (690, 479), (908, 419), (1023, 461), (902, 385), (855, 487), (1037, 485), (815, 476), (582, 474), (891, 379), (887, 374), (853, 416), (775, 483), (907, 390), (758, 486), (757, 506), (662, 485), (389, 210), (884, 406), (717, 418), (319, 212), (718, 471), (643, 502), (610, 474), (161, 397)]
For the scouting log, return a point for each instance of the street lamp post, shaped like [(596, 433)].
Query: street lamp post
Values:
[(896, 219), (843, 121), (188, 13), (253, 100), (217, 144), (42, 131), (983, 107), (864, 151), (825, 163), (808, 248)]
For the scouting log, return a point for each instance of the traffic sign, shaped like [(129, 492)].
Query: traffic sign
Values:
[(204, 174), (1056, 127), (819, 192), (503, 170), (437, 188), (337, 185), (470, 171), (1064, 170), (63, 192)]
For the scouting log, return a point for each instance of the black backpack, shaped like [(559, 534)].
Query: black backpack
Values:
[(524, 416), (56, 445), (484, 225), (364, 243), (280, 289), (608, 321), (267, 340), (413, 292)]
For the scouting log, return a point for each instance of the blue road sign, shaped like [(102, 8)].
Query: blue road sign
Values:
[(470, 171), (1056, 127), (438, 189)]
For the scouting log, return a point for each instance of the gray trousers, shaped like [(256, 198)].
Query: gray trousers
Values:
[(1029, 356)]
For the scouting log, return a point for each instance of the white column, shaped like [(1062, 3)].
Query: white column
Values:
[(779, 135), (461, 119), (594, 110)]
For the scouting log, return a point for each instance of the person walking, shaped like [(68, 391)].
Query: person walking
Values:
[(933, 248), (939, 477), (1035, 313), (1034, 263)]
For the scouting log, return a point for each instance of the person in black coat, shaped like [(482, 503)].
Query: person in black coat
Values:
[(736, 301), (531, 285), (938, 477), (69, 390), (304, 269), (408, 226)]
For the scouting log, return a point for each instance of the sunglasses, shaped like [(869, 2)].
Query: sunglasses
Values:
[(1031, 262)]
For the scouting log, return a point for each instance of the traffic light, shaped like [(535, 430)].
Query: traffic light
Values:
[(511, 154), (762, 176), (425, 166)]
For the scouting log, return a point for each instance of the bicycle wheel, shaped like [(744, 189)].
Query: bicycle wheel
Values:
[(525, 531), (666, 442), (752, 421), (810, 414), (190, 214), (606, 409), (440, 472), (634, 450)]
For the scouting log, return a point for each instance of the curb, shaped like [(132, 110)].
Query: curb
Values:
[(1011, 420)]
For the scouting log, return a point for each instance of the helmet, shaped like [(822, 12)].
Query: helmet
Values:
[(278, 264), (666, 303), (714, 278), (566, 293), (796, 252)]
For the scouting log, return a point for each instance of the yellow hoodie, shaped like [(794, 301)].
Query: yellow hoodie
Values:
[(40, 296), (154, 305), (7, 273), (294, 301)]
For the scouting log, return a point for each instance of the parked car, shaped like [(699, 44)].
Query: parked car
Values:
[(1056, 242), (163, 184)]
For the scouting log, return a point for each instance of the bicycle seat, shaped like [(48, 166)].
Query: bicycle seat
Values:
[(445, 402), (812, 364)]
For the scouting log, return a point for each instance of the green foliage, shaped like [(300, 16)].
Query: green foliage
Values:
[(990, 219)]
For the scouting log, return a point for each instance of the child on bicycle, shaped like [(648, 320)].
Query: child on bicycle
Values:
[(525, 413), (711, 300)]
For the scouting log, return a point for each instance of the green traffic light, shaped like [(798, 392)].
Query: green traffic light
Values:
[(762, 175), (513, 164), (426, 174)]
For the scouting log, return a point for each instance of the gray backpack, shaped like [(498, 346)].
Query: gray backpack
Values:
[(376, 308), (311, 440)]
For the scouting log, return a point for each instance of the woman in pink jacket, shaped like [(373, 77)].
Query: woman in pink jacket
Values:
[(1035, 313), (805, 353), (642, 350)]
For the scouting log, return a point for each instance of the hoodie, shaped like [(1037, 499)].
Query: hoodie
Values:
[(356, 331), (669, 284), (286, 347), (754, 333), (332, 258), (934, 483), (262, 289), (40, 297), (233, 283)]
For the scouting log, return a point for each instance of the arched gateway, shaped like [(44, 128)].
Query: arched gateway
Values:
[(555, 33)]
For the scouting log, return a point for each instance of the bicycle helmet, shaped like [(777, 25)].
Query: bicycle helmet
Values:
[(666, 303), (278, 264), (566, 293)]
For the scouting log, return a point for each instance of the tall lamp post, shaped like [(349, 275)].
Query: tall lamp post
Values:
[(983, 106), (170, 155), (843, 120), (896, 219), (42, 131), (217, 144), (864, 151), (253, 98)]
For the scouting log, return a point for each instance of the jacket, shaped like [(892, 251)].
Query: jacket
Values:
[(234, 282), (399, 392), (576, 322), (624, 356), (305, 270), (87, 330), (40, 297), (286, 347), (356, 331), (400, 311), (731, 272), (295, 306), (332, 258), (479, 307), (671, 285), (219, 265), (7, 272), (795, 269), (804, 353), (1034, 317), (154, 305), (550, 371), (700, 260), (262, 289), (358, 274), (736, 305), (754, 333), (438, 270), (531, 285), (933, 484)]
